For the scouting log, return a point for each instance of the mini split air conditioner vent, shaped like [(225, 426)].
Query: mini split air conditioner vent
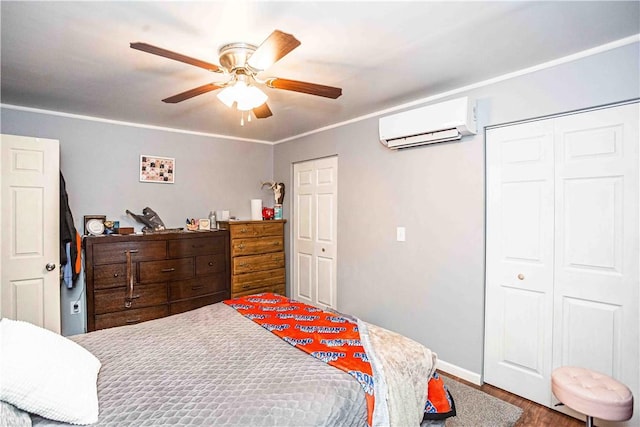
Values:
[(446, 121)]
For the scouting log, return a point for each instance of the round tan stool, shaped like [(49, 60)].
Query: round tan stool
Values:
[(593, 394)]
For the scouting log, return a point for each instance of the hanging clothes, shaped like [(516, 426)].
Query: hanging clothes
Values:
[(69, 239)]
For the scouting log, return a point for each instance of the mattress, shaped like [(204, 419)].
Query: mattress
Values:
[(212, 366)]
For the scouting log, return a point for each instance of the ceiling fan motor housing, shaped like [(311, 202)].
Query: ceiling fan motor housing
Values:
[(234, 56)]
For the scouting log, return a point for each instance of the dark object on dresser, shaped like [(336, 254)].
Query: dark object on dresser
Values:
[(135, 278), (149, 218)]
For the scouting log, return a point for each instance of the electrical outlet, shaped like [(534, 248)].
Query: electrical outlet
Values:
[(75, 307)]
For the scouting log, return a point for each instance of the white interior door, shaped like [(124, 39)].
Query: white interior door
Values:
[(597, 244), (29, 228), (519, 267), (315, 231)]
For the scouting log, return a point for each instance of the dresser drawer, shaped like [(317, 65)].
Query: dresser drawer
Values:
[(109, 276), (110, 300), (240, 231), (211, 244), (111, 253), (260, 245), (202, 285), (208, 264), (250, 281), (276, 289), (250, 264), (170, 269), (130, 317), (191, 304)]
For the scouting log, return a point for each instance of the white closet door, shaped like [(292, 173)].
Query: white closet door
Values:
[(519, 266), (315, 231), (29, 227), (596, 255)]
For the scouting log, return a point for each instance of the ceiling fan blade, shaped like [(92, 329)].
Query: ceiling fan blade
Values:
[(263, 111), (191, 93), (175, 56), (276, 46), (304, 87)]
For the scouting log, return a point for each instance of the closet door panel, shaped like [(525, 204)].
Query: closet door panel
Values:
[(519, 275), (596, 273)]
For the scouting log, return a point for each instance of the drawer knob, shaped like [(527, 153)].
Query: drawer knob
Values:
[(241, 246), (115, 274), (246, 286), (276, 243), (168, 270), (244, 230), (244, 264), (520, 276), (210, 263)]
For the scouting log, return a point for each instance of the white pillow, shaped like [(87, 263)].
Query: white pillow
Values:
[(47, 374)]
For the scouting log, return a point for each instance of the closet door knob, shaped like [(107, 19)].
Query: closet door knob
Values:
[(50, 267), (520, 276)]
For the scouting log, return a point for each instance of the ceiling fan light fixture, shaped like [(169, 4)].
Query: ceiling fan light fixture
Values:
[(246, 97)]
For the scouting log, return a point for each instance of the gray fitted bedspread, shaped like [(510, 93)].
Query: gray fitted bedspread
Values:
[(212, 366)]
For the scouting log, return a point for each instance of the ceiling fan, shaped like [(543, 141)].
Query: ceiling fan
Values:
[(242, 62)]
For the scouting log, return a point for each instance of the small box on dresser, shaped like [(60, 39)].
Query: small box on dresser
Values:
[(171, 273), (257, 256)]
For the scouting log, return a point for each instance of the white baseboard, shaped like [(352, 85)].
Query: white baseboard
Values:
[(459, 372)]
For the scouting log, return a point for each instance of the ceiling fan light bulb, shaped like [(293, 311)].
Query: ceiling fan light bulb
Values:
[(250, 97), (228, 96)]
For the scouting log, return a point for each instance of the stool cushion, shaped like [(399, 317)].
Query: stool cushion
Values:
[(591, 393)]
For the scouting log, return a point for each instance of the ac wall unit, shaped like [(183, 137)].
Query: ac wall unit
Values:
[(445, 121)]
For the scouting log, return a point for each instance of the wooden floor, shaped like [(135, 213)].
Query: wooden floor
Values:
[(533, 414)]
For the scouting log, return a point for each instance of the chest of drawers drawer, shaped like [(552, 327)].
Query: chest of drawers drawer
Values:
[(253, 263), (117, 252), (130, 317), (260, 245), (257, 229), (165, 270), (113, 299)]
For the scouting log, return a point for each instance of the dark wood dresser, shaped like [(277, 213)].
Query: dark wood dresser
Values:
[(257, 256), (130, 279)]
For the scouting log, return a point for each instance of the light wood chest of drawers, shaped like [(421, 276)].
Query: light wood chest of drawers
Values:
[(257, 256), (135, 278)]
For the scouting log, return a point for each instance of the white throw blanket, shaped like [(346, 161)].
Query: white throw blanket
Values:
[(400, 377)]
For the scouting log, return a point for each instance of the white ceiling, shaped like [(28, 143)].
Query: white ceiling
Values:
[(74, 57)]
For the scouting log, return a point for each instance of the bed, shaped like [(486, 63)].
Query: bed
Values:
[(215, 366)]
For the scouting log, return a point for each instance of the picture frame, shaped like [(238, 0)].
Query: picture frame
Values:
[(157, 169), (204, 224), (94, 224)]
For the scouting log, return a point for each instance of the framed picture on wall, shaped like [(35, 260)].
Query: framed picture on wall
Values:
[(157, 169)]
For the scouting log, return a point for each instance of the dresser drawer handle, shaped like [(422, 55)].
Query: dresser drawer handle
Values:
[(135, 297), (276, 243), (168, 270), (210, 263), (246, 286), (132, 251), (244, 264), (115, 274), (244, 230), (195, 288), (131, 321), (197, 246), (241, 246)]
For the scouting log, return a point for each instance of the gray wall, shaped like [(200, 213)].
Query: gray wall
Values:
[(431, 287), (100, 164)]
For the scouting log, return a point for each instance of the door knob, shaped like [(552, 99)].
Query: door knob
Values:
[(50, 267), (520, 276)]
